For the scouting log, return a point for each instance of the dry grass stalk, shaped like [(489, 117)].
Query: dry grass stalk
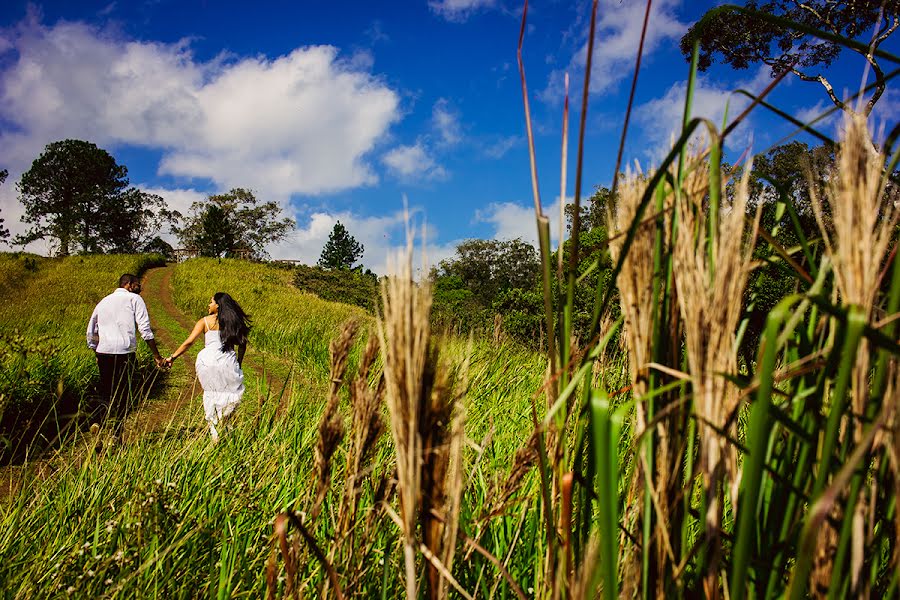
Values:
[(857, 238), (331, 426), (365, 429), (710, 285), (426, 424), (635, 283), (891, 442)]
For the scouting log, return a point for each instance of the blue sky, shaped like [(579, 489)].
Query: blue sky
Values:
[(341, 110)]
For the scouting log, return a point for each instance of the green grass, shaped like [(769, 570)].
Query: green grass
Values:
[(45, 366), (170, 515)]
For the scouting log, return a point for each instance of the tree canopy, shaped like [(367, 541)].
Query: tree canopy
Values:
[(77, 195), (224, 224), (489, 267), (341, 250), (741, 40)]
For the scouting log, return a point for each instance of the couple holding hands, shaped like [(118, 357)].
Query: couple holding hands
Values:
[(111, 334)]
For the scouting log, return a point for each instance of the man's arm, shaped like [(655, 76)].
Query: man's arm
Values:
[(93, 332), (142, 318)]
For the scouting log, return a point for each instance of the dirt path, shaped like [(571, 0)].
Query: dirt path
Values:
[(178, 393), (158, 293), (154, 416)]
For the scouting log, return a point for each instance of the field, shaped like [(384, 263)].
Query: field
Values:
[(44, 362), (169, 514), (674, 440)]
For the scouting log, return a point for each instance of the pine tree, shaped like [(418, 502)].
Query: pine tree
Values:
[(341, 250)]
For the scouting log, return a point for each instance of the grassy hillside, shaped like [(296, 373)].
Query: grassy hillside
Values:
[(171, 515), (46, 370)]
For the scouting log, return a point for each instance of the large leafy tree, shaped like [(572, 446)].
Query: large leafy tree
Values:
[(133, 222), (224, 224), (741, 40), (76, 195), (4, 232), (489, 267), (341, 250), (69, 192)]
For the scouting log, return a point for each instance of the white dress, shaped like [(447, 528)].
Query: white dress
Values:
[(221, 377)]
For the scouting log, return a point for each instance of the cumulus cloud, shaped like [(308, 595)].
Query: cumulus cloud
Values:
[(414, 163), (512, 220), (660, 118), (381, 237), (459, 10), (303, 123), (445, 121), (617, 37)]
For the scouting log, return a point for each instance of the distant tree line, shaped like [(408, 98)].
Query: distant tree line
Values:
[(78, 199), (492, 282)]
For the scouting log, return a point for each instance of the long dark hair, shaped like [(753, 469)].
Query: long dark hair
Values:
[(234, 323)]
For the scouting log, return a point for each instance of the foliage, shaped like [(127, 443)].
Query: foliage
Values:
[(740, 39), (341, 250), (225, 224), (77, 195), (521, 312), (593, 212), (489, 267), (4, 232), (350, 286), (157, 245), (133, 228)]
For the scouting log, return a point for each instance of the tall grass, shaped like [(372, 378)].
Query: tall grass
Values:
[(433, 468), (294, 325), (170, 515), (46, 370), (767, 482)]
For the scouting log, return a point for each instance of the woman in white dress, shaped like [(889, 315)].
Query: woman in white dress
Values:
[(218, 365)]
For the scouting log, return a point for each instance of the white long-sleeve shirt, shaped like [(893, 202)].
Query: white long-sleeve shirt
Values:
[(111, 328)]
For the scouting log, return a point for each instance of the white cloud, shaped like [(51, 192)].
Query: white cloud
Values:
[(660, 119), (499, 147), (826, 124), (459, 10), (618, 35), (512, 220), (179, 199), (414, 163), (303, 123), (381, 236), (445, 121)]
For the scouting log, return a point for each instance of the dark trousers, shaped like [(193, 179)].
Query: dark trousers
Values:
[(116, 383)]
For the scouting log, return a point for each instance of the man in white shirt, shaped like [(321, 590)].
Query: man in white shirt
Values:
[(111, 334)]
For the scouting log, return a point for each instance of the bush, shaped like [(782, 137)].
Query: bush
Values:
[(350, 286)]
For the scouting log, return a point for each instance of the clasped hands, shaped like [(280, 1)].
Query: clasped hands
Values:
[(164, 363)]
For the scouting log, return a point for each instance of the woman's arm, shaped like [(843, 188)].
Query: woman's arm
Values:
[(198, 329), (242, 348)]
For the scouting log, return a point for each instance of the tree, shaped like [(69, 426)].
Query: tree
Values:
[(489, 267), (4, 232), (132, 224), (68, 193), (159, 246), (593, 211), (341, 250), (224, 223), (742, 40)]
